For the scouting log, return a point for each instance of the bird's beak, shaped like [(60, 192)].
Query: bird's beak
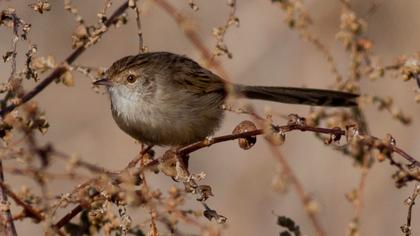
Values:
[(104, 82)]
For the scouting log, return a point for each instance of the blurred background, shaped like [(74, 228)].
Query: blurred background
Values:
[(265, 52)]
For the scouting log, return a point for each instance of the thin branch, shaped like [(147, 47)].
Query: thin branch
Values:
[(9, 224), (369, 141), (66, 218), (77, 209), (136, 8), (61, 70), (14, 45), (303, 196), (301, 22), (29, 211), (134, 162), (193, 36), (406, 228), (78, 162)]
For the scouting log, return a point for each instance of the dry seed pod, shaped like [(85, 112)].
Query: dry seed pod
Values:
[(204, 192), (245, 126)]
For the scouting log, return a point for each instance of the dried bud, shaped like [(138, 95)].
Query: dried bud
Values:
[(42, 64), (80, 36), (92, 192), (390, 140), (209, 140), (212, 214), (334, 137), (294, 119), (380, 157), (417, 189), (132, 3), (312, 207), (41, 6), (406, 229), (417, 98), (204, 192), (246, 142), (4, 206), (8, 56), (67, 79), (408, 201), (174, 192), (193, 5), (363, 44)]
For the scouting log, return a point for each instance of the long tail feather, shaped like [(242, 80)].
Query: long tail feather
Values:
[(306, 96)]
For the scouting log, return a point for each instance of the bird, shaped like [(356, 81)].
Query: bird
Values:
[(167, 99)]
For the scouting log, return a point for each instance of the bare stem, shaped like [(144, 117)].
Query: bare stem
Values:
[(406, 228), (369, 141), (9, 229), (136, 8), (193, 36), (29, 211), (303, 196)]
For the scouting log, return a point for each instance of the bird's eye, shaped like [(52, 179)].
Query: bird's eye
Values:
[(131, 79)]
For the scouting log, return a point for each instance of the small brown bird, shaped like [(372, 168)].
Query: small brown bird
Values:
[(161, 98)]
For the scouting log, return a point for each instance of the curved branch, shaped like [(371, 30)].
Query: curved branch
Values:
[(336, 132)]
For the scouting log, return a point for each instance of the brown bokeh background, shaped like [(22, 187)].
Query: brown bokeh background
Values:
[(265, 52)]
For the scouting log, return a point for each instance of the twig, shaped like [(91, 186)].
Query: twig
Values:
[(136, 8), (193, 36), (308, 204), (304, 198), (29, 211), (14, 45), (93, 168), (369, 141), (76, 210), (220, 32), (61, 70), (134, 162), (9, 229), (9, 224), (406, 228), (301, 24), (65, 219)]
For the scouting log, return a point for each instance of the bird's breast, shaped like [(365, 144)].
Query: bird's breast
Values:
[(169, 119)]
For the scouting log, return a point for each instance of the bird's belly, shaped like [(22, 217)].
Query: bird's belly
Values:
[(162, 125)]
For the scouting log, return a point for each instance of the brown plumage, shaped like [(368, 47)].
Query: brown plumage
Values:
[(163, 98)]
